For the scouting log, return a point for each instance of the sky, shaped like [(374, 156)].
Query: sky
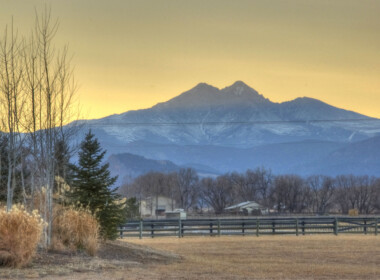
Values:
[(132, 54)]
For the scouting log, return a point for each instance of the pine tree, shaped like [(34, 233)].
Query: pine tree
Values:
[(91, 187), (3, 167)]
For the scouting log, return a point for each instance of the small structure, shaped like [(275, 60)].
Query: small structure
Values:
[(247, 208), (156, 206), (176, 214)]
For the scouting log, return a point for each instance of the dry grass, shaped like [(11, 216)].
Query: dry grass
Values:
[(268, 257), (265, 257), (75, 229), (20, 233)]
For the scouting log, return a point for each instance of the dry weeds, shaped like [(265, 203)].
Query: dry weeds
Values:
[(75, 229), (20, 233)]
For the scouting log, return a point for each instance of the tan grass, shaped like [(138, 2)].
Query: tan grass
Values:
[(20, 233), (268, 257), (75, 229)]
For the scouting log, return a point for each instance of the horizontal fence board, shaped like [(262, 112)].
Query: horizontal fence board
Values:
[(249, 226)]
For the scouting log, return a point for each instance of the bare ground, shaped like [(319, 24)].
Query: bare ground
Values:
[(265, 257), (112, 256)]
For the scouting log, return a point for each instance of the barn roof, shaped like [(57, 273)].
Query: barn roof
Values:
[(243, 205)]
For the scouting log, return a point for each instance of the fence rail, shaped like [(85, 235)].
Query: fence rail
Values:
[(258, 226)]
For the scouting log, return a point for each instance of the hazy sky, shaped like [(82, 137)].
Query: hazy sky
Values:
[(134, 54)]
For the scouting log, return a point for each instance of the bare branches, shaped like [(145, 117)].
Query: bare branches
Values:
[(37, 89), (316, 194)]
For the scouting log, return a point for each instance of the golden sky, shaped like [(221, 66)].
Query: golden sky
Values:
[(134, 54)]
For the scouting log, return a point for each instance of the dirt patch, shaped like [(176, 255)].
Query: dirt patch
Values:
[(126, 251), (111, 256)]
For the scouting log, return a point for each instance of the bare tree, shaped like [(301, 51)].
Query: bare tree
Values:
[(322, 193), (51, 84), (218, 192), (364, 191), (375, 200), (11, 101), (244, 185), (290, 194), (36, 96), (187, 186)]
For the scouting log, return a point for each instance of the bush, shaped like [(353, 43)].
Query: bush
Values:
[(20, 233), (75, 229)]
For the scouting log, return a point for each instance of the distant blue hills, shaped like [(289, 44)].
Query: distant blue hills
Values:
[(234, 129)]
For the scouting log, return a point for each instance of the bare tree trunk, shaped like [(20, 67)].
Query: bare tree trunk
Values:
[(11, 101)]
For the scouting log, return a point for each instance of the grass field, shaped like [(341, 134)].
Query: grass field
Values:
[(270, 257), (265, 257)]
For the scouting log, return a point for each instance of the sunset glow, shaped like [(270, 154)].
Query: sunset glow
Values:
[(133, 54)]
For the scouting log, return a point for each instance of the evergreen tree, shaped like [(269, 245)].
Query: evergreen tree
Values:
[(62, 159), (3, 167), (91, 187)]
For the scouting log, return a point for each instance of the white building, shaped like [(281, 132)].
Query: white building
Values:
[(247, 208), (156, 206)]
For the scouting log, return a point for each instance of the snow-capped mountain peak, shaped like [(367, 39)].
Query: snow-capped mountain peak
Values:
[(236, 116)]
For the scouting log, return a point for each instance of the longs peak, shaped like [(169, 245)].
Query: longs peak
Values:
[(205, 95)]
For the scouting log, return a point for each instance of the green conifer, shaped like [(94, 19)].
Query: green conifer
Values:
[(92, 187)]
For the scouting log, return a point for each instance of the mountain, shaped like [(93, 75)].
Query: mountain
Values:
[(302, 158), (236, 116), (360, 158), (128, 166), (236, 128), (206, 96), (281, 158)]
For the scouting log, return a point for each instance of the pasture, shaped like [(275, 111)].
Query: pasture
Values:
[(230, 257), (268, 257)]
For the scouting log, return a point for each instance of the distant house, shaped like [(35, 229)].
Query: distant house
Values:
[(156, 206), (247, 208), (176, 214)]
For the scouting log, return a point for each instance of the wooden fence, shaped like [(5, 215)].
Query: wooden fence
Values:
[(258, 226)]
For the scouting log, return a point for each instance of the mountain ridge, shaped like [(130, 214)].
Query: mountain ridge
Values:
[(237, 116), (206, 120)]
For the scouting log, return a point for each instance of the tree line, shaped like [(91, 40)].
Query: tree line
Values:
[(283, 193)]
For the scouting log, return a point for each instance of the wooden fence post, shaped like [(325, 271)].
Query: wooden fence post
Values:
[(376, 225), (273, 227), (303, 227), (243, 228), (257, 227), (152, 230), (121, 232), (211, 229), (296, 226), (141, 229), (365, 226), (218, 227), (179, 228), (336, 226)]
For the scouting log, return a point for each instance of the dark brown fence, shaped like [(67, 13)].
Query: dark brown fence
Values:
[(258, 226)]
